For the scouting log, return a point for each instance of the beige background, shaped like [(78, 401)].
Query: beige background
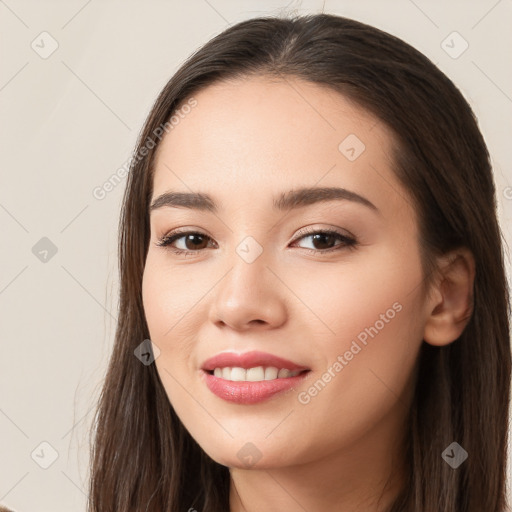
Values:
[(70, 120)]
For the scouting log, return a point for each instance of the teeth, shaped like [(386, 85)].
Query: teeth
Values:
[(271, 373), (238, 374), (255, 374)]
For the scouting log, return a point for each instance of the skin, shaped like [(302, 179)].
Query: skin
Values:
[(244, 143)]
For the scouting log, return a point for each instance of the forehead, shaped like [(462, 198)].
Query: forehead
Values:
[(259, 136)]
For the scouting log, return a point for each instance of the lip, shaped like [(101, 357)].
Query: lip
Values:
[(249, 360), (244, 392)]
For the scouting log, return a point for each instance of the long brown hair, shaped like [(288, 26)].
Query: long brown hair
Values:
[(143, 459)]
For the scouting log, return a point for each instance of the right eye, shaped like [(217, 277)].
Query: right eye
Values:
[(193, 241)]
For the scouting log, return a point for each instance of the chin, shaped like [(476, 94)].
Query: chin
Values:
[(244, 454)]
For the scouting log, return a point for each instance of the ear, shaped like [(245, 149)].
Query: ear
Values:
[(450, 302)]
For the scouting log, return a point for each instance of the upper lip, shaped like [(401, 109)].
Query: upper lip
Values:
[(249, 360)]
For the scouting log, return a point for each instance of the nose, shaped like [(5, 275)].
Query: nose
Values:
[(249, 296)]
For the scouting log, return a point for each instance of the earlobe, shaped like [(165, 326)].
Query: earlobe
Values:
[(450, 303)]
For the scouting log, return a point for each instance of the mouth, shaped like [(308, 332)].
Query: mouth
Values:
[(251, 377)]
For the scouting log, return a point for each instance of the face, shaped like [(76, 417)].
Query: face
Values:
[(329, 281)]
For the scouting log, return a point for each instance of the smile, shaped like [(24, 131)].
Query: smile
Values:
[(250, 377), (255, 374)]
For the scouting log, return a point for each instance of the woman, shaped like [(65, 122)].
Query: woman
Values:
[(314, 309)]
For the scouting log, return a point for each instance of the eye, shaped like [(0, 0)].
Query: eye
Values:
[(195, 241), (322, 237)]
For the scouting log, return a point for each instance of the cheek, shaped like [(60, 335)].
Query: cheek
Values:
[(172, 300), (168, 296), (369, 375), (348, 299), (375, 312)]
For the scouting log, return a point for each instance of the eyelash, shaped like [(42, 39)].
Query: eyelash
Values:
[(348, 242)]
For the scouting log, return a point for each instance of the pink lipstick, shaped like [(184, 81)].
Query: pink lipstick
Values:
[(251, 377)]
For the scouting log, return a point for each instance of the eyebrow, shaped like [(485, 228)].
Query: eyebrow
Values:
[(292, 199)]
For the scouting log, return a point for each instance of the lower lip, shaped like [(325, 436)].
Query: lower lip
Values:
[(244, 392)]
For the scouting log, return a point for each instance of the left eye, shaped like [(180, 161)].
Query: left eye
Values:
[(194, 241), (326, 238)]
